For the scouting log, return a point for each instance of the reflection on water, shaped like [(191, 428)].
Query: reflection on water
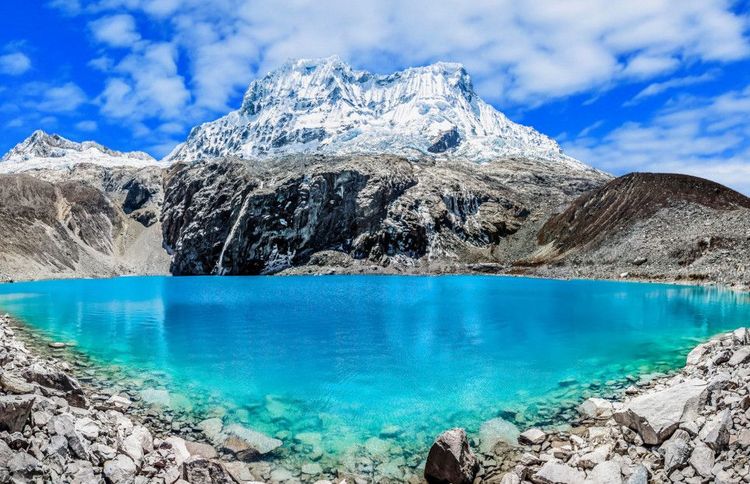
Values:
[(347, 356)]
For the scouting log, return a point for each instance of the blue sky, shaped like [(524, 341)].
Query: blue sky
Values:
[(624, 85)]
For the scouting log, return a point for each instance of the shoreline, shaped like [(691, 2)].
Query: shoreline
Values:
[(504, 462)]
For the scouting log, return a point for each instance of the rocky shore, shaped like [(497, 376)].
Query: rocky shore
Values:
[(692, 426)]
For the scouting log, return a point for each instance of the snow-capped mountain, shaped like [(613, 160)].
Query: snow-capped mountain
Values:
[(324, 106), (51, 151)]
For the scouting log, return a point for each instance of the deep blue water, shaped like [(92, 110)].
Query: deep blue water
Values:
[(346, 356)]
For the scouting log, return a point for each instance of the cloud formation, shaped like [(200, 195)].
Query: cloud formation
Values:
[(14, 64), (702, 136)]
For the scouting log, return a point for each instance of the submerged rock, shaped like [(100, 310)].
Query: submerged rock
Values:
[(247, 444), (450, 459), (596, 408), (497, 430)]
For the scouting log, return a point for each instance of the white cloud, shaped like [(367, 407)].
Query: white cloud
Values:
[(87, 125), (707, 137), (116, 30), (14, 64), (518, 52), (58, 99), (659, 87), (147, 86)]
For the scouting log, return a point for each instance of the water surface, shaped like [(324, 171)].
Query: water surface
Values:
[(334, 361)]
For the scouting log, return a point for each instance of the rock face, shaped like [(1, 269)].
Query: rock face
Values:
[(450, 459), (651, 226), (237, 217)]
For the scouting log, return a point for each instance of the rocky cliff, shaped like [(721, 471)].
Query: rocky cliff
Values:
[(359, 213), (651, 226)]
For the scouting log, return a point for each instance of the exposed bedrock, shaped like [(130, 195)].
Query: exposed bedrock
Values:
[(238, 217)]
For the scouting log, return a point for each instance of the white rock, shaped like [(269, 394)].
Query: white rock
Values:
[(179, 448), (715, 432), (655, 416), (532, 436), (557, 473), (121, 469), (88, 428), (696, 355), (596, 408), (702, 459), (605, 473), (740, 356), (119, 402)]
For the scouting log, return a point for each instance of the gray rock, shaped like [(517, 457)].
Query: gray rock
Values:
[(24, 465), (121, 469), (640, 475), (740, 356), (655, 416), (57, 380), (596, 408), (715, 432), (79, 446), (63, 424), (15, 411), (200, 449), (87, 427), (676, 450), (557, 473), (702, 459), (532, 436), (248, 445), (211, 428), (6, 453), (58, 445), (605, 473), (450, 459), (15, 385), (199, 470)]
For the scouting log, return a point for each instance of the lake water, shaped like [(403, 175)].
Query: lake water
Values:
[(330, 362)]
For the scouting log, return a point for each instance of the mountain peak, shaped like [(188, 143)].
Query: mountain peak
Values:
[(42, 150), (325, 106)]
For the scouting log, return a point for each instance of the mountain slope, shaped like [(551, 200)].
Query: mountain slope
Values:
[(651, 225), (359, 213), (42, 151), (323, 106)]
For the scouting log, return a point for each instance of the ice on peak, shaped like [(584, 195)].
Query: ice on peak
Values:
[(43, 150)]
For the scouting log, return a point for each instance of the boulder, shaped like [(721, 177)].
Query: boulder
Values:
[(741, 335), (640, 475), (605, 473), (121, 469), (199, 470), (597, 408), (557, 473), (655, 416), (450, 459), (179, 448), (532, 436), (696, 354), (740, 356), (23, 467), (201, 450), (57, 380), (15, 385), (702, 459), (247, 444), (87, 427), (15, 411), (715, 432), (211, 428), (676, 450)]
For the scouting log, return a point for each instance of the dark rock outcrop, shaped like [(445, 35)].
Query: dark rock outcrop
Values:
[(450, 460), (238, 217)]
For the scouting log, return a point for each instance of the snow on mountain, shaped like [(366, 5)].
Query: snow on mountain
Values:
[(324, 106), (51, 151)]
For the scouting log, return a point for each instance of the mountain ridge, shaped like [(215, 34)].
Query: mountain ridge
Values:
[(323, 106)]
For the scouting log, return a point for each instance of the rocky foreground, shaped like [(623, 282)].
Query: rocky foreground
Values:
[(692, 427)]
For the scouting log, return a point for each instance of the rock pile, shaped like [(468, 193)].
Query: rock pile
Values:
[(53, 430), (692, 427)]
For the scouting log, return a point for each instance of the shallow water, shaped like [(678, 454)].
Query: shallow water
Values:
[(326, 363)]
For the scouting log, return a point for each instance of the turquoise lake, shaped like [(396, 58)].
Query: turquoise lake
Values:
[(337, 360)]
